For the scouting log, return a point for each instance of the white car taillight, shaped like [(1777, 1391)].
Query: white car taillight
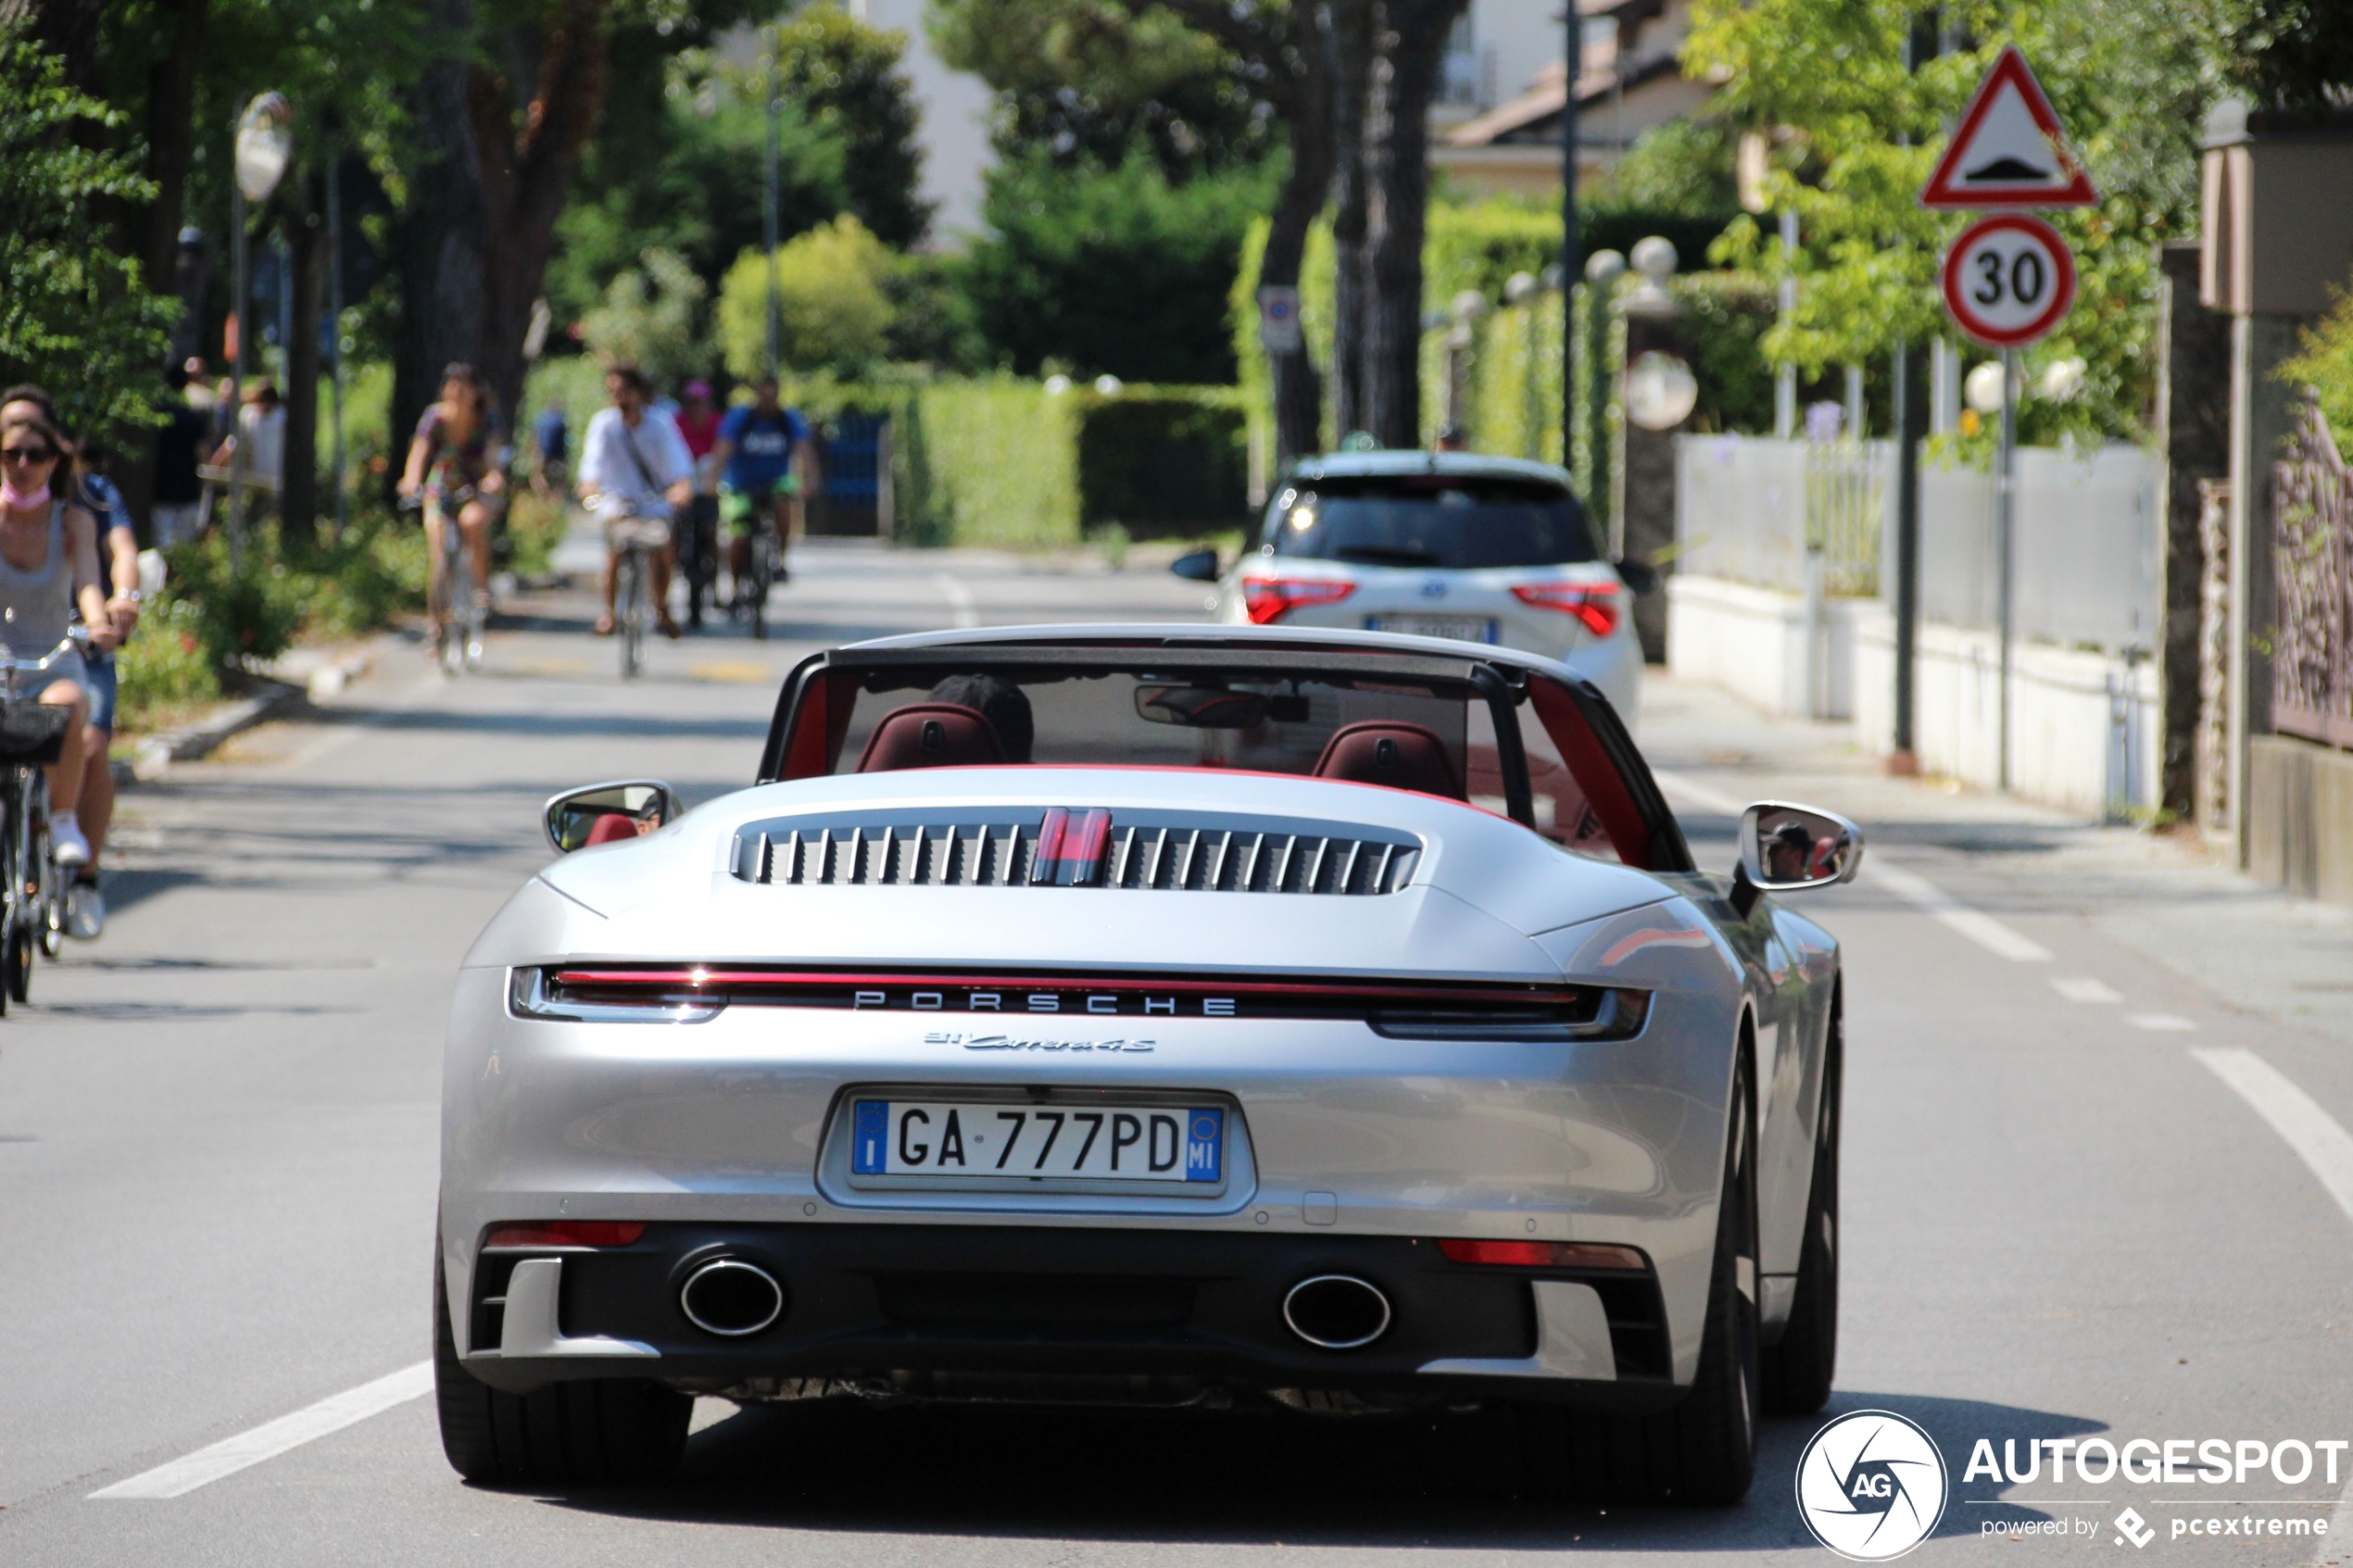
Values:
[(1269, 598), (1597, 604)]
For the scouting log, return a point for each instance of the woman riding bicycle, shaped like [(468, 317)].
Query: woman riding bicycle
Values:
[(48, 569), (458, 458)]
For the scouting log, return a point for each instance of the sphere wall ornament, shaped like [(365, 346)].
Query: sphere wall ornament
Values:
[(1661, 391)]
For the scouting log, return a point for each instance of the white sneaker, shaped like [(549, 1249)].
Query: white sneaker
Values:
[(72, 848), (85, 910)]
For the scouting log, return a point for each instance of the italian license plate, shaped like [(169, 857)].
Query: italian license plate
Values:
[(1462, 628), (956, 1141)]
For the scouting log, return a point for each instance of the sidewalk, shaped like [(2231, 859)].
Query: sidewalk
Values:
[(2252, 945)]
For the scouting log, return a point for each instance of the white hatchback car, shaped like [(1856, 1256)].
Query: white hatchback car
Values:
[(1480, 549)]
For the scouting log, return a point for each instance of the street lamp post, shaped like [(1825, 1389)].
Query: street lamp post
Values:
[(770, 202), (1572, 242), (335, 333), (264, 145)]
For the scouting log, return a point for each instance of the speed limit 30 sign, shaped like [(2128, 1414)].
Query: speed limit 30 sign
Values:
[(2008, 280)]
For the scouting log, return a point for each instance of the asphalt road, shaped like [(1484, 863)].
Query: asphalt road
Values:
[(218, 1156)]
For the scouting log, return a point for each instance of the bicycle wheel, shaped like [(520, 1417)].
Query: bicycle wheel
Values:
[(763, 574), (49, 905), (630, 591)]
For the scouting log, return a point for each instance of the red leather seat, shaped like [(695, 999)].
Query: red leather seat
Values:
[(611, 828), (931, 735), (1389, 751)]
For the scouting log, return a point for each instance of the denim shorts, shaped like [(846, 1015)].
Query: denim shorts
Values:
[(98, 683)]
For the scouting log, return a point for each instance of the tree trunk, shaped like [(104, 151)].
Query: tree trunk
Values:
[(299, 501), (438, 244), (529, 156), (1298, 416), (1408, 44), (67, 29), (1352, 46), (171, 112)]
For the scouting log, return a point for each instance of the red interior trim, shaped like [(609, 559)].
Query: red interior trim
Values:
[(1606, 791)]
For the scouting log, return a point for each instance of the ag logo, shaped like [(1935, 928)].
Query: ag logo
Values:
[(1871, 1486)]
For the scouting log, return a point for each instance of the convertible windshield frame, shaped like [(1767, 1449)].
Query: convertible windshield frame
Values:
[(1504, 686)]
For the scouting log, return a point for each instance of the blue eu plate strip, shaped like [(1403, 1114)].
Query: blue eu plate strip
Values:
[(866, 1152), (1204, 1146)]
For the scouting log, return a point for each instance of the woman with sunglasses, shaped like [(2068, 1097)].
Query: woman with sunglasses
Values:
[(460, 455), (48, 567)]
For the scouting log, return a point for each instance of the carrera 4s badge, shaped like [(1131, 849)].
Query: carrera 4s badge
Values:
[(1027, 1042)]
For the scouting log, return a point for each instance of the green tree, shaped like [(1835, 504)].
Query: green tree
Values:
[(651, 317), (74, 314), (1113, 269), (845, 77), (832, 287), (1085, 80)]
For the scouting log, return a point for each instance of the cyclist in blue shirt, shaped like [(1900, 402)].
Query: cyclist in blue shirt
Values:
[(762, 451)]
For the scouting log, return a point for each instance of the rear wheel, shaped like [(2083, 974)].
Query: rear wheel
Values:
[(1703, 1449), (1797, 1369), (630, 592), (602, 1433), (19, 961)]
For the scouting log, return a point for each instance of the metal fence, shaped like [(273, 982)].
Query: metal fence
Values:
[(2086, 531), (2312, 563), (1752, 509)]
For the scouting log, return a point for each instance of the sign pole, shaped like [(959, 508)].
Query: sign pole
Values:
[(2005, 543)]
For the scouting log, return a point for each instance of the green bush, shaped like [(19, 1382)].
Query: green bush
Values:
[(991, 462), (2326, 366), (831, 301), (1163, 462), (164, 669)]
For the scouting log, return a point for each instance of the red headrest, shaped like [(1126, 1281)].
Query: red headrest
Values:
[(1389, 751), (611, 828), (931, 735)]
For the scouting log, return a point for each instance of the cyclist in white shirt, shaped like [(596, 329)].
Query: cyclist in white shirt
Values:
[(634, 464)]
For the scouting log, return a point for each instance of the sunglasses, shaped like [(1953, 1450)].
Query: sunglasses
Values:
[(31, 455)]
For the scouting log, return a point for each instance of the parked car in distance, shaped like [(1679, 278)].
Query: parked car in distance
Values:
[(1475, 548)]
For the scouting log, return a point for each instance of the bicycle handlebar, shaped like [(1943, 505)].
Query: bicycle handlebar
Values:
[(76, 638)]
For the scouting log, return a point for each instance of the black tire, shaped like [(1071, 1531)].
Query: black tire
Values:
[(1797, 1369), (19, 962), (1702, 1451), (607, 1432)]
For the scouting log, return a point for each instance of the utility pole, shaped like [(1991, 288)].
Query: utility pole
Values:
[(1572, 243), (770, 203), (2005, 545), (335, 333), (1910, 424)]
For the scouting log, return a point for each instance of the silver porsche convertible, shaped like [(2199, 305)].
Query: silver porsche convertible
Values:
[(1178, 1016)]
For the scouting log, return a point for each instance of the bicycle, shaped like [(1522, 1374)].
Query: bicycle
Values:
[(33, 735), (456, 632), (761, 570), (636, 540)]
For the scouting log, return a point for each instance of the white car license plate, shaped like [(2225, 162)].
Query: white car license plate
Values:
[(1462, 628), (954, 1141)]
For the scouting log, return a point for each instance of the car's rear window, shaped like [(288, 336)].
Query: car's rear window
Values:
[(1446, 521)]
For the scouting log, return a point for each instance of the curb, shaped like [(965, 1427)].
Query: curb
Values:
[(191, 743)]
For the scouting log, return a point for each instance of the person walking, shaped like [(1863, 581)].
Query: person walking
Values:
[(48, 569), (458, 459), (634, 464), (552, 434), (179, 492)]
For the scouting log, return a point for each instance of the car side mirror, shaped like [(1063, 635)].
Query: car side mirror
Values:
[(1786, 848), (1198, 566), (606, 813), (1640, 576)]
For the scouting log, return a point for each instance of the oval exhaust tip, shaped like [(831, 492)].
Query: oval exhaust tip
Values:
[(1335, 1311), (731, 1298)]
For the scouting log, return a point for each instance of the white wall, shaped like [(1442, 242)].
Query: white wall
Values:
[(1752, 641), (954, 133)]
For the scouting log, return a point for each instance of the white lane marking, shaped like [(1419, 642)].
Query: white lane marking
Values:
[(2161, 1023), (271, 1439), (1698, 793), (2318, 1139), (1975, 924), (960, 599), (2083, 989)]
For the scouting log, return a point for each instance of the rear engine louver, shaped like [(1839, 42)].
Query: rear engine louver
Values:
[(1077, 848)]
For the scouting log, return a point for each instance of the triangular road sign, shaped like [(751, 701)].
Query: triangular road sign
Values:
[(2008, 149)]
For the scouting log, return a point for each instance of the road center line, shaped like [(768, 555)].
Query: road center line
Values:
[(1975, 924), (960, 599), (271, 1439), (2318, 1139)]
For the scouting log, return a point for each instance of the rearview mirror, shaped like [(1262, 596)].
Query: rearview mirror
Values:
[(1198, 566), (1785, 847), (607, 813), (1208, 708)]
